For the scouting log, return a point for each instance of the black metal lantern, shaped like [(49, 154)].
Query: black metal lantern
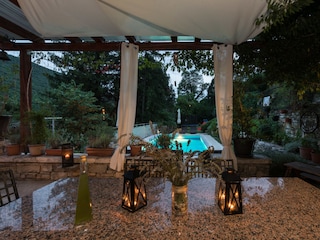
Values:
[(134, 194), (67, 155), (230, 198)]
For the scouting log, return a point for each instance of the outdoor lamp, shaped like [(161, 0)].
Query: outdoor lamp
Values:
[(229, 197), (103, 111), (67, 155), (134, 194)]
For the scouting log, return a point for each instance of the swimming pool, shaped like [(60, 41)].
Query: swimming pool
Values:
[(196, 142)]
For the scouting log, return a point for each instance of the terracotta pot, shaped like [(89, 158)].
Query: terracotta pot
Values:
[(53, 151), (36, 149), (135, 150), (315, 157), (100, 152), (305, 152), (13, 149)]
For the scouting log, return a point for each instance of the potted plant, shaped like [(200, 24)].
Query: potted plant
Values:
[(135, 144), (13, 146), (54, 142), (243, 124), (38, 133), (99, 140), (307, 144)]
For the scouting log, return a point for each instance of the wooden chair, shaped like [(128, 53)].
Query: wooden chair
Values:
[(8, 188)]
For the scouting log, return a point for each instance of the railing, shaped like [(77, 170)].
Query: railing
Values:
[(197, 168)]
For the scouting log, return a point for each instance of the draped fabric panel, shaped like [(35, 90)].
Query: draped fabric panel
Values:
[(223, 81), (127, 102)]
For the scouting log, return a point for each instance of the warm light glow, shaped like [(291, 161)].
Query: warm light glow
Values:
[(231, 206), (222, 196), (67, 156)]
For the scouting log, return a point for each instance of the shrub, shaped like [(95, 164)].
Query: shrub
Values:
[(277, 168)]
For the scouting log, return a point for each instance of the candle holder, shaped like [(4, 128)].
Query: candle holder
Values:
[(134, 194), (230, 196), (67, 155)]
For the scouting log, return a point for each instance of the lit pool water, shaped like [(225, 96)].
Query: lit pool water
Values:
[(196, 143)]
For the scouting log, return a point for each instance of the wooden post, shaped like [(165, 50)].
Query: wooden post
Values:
[(25, 95)]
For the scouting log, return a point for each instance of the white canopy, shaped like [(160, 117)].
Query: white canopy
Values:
[(223, 21)]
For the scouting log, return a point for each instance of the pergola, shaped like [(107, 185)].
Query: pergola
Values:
[(130, 26)]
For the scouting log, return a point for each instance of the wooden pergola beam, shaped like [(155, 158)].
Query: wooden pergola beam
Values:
[(108, 46), (16, 29)]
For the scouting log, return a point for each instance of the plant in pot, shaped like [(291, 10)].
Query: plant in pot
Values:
[(307, 144), (99, 140), (13, 146), (135, 144), (54, 142), (38, 133), (243, 124)]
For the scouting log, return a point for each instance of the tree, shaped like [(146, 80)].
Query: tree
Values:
[(191, 93), (156, 97), (98, 72), (287, 53), (78, 110), (192, 84)]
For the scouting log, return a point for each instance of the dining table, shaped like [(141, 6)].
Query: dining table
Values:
[(273, 208)]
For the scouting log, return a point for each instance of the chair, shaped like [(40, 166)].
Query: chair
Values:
[(8, 188)]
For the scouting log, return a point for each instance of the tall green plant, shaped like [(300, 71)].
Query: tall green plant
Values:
[(78, 110), (38, 128)]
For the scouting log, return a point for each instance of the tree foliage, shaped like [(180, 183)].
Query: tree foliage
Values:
[(287, 52), (192, 84), (195, 98), (78, 110), (98, 72), (156, 97)]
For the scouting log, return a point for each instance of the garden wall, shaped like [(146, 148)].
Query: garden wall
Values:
[(50, 167)]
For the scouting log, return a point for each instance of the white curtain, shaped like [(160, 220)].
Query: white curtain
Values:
[(223, 81), (127, 102)]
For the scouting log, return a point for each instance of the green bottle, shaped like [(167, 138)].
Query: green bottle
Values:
[(84, 205)]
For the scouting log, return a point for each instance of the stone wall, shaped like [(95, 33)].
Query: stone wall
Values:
[(258, 166), (50, 167)]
